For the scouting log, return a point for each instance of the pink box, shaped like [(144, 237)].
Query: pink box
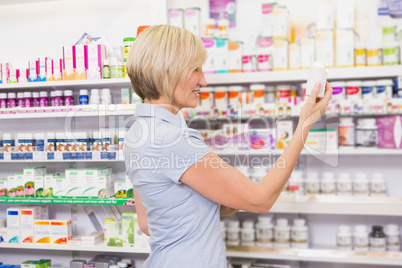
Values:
[(95, 57), (5, 72), (389, 132), (80, 54), (68, 63)]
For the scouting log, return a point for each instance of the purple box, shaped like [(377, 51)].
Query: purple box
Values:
[(389, 132)]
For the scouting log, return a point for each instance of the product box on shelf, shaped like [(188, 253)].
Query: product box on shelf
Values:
[(235, 56), (13, 225), (281, 25), (12, 185), (58, 69), (221, 55), (324, 47), (1, 74), (42, 231), (4, 73), (192, 20), (74, 181), (140, 239), (48, 184), (284, 133), (68, 63), (95, 57), (33, 73), (344, 44), (27, 218), (20, 188), (209, 65), (80, 53), (41, 69), (3, 187), (92, 239), (261, 138), (176, 17), (128, 228), (125, 95), (61, 231), (389, 132), (49, 70), (60, 186), (325, 15), (322, 139), (280, 53), (114, 229), (294, 57)]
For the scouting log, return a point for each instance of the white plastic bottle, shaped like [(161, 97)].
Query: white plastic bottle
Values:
[(392, 233), (361, 238), (95, 97), (328, 183), (248, 233), (265, 231), (378, 185), (233, 233), (344, 238), (316, 74), (299, 234), (344, 184), (296, 183), (312, 184), (282, 234), (361, 185), (346, 132)]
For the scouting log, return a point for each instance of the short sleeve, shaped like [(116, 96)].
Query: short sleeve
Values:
[(182, 153)]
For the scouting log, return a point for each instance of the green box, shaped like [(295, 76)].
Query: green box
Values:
[(3, 187), (128, 219)]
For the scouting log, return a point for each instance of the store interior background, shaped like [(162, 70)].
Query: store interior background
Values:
[(32, 29)]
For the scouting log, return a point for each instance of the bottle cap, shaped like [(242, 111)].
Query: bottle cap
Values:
[(236, 88), (264, 219), (360, 228), (128, 39), (43, 93), (83, 92), (361, 176), (282, 222), (385, 82), (233, 224), (11, 95), (20, 95), (221, 89), (299, 222), (248, 224), (257, 87), (27, 95), (344, 175), (207, 89), (35, 95), (328, 175), (338, 84), (52, 93), (122, 264), (68, 92), (58, 93), (3, 95)]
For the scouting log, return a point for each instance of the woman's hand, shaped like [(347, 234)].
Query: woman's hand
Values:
[(226, 211), (314, 108)]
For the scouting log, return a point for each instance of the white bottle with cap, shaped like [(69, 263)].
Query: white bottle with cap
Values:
[(265, 231), (361, 185), (378, 185), (95, 98), (328, 183), (317, 74), (248, 233), (233, 233), (312, 184), (344, 238), (282, 233), (361, 238), (299, 234), (344, 184), (296, 183), (392, 233)]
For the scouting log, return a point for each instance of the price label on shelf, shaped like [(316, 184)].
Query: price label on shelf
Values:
[(58, 156), (39, 156), (7, 156)]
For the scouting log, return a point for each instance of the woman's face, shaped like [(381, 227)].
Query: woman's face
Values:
[(186, 94)]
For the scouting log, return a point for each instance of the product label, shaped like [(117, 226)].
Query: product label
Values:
[(361, 243), (233, 238), (353, 92), (360, 57), (346, 135), (378, 189), (360, 188), (312, 187), (368, 92), (384, 92), (265, 63), (327, 187), (377, 244), (393, 243), (299, 237), (344, 188), (265, 235), (344, 242), (249, 63), (374, 57)]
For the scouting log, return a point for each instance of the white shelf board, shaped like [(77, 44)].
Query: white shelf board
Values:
[(317, 255), (228, 78), (301, 75), (72, 84), (67, 114), (341, 205), (313, 255), (341, 151), (99, 248)]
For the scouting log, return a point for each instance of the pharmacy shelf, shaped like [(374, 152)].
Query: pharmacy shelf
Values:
[(73, 84), (69, 112), (228, 78), (340, 205), (68, 201), (316, 255), (99, 248), (312, 255), (339, 152)]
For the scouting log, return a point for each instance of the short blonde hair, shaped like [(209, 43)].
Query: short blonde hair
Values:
[(162, 57)]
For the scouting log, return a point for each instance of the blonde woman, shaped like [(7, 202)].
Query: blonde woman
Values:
[(181, 187)]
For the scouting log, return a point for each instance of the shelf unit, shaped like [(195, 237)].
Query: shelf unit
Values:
[(316, 255), (67, 201), (228, 78), (312, 255), (382, 206)]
